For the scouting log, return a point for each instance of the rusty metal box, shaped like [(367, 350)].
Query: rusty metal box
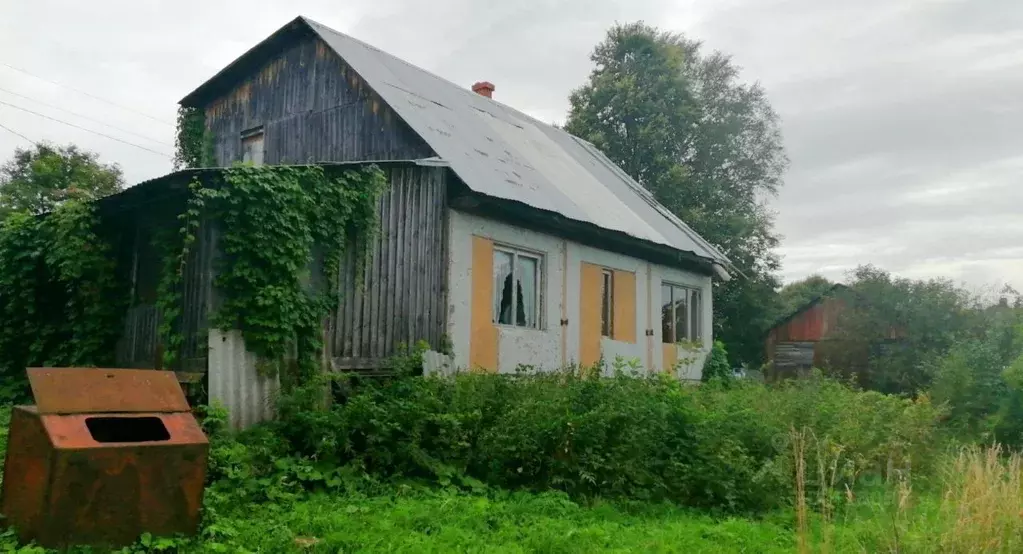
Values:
[(104, 456)]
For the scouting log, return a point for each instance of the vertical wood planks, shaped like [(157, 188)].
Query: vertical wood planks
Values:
[(309, 113), (399, 299)]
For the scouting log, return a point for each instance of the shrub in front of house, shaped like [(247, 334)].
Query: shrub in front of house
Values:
[(718, 447)]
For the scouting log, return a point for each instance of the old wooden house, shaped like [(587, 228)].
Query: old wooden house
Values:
[(509, 239)]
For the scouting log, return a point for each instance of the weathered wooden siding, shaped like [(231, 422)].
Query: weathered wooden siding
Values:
[(793, 357), (312, 109), (402, 294), (139, 345), (812, 324)]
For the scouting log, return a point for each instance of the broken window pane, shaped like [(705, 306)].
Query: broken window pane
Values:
[(667, 317), (504, 302), (607, 304), (681, 313)]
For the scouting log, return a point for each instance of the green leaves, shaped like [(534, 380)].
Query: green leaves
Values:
[(38, 180), (271, 220), (60, 300), (192, 143)]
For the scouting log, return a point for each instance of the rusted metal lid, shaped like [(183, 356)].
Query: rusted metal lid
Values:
[(68, 390)]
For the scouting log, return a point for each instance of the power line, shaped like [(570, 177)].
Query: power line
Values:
[(2, 126), (86, 130), (94, 120), (90, 95)]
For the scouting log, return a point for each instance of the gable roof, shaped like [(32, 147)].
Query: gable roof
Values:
[(813, 302), (494, 149)]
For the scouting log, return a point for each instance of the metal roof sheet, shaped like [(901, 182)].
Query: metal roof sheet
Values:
[(501, 152)]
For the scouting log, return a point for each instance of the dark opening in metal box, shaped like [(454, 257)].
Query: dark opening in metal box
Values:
[(104, 456)]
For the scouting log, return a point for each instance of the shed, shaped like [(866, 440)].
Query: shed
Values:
[(793, 342)]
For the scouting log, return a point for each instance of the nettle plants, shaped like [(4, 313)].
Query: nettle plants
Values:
[(282, 232)]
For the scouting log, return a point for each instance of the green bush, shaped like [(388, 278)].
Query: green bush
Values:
[(711, 447), (717, 366)]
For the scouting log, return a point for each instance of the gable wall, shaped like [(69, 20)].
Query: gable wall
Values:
[(312, 109)]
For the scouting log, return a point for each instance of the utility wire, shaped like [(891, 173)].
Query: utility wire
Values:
[(2, 126), (90, 95), (92, 119), (87, 130)]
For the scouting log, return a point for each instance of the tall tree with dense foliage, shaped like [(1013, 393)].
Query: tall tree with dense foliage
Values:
[(39, 179), (708, 146), (895, 328)]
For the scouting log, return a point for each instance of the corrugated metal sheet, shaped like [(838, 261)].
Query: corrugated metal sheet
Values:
[(310, 111), (235, 382), (400, 297), (137, 347), (501, 152)]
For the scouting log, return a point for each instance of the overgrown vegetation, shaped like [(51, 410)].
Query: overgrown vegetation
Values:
[(283, 233), (651, 439), (192, 145), (271, 219), (60, 297), (571, 463)]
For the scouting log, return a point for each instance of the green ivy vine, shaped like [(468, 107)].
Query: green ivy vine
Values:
[(282, 235), (175, 246), (193, 146), (61, 301)]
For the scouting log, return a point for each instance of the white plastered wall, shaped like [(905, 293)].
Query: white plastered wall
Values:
[(540, 348), (543, 348)]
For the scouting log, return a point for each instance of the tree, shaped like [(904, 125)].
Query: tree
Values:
[(706, 145), (800, 293), (894, 329), (39, 179)]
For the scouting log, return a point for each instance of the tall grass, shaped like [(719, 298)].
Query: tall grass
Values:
[(976, 507), (983, 502)]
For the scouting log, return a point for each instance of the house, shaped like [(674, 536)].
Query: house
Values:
[(794, 343), (511, 240)]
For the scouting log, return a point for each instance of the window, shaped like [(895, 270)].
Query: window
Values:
[(517, 281), (252, 146), (607, 303), (681, 313)]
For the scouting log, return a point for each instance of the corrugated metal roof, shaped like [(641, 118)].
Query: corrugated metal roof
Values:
[(504, 153), (494, 149)]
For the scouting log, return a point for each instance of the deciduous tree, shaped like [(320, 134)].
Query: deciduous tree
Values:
[(707, 145), (40, 178)]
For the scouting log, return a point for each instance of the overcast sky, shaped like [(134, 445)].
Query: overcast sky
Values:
[(903, 118)]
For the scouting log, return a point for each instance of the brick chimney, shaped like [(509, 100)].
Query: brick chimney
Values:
[(484, 88)]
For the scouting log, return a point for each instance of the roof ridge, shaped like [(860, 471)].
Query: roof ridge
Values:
[(464, 90)]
